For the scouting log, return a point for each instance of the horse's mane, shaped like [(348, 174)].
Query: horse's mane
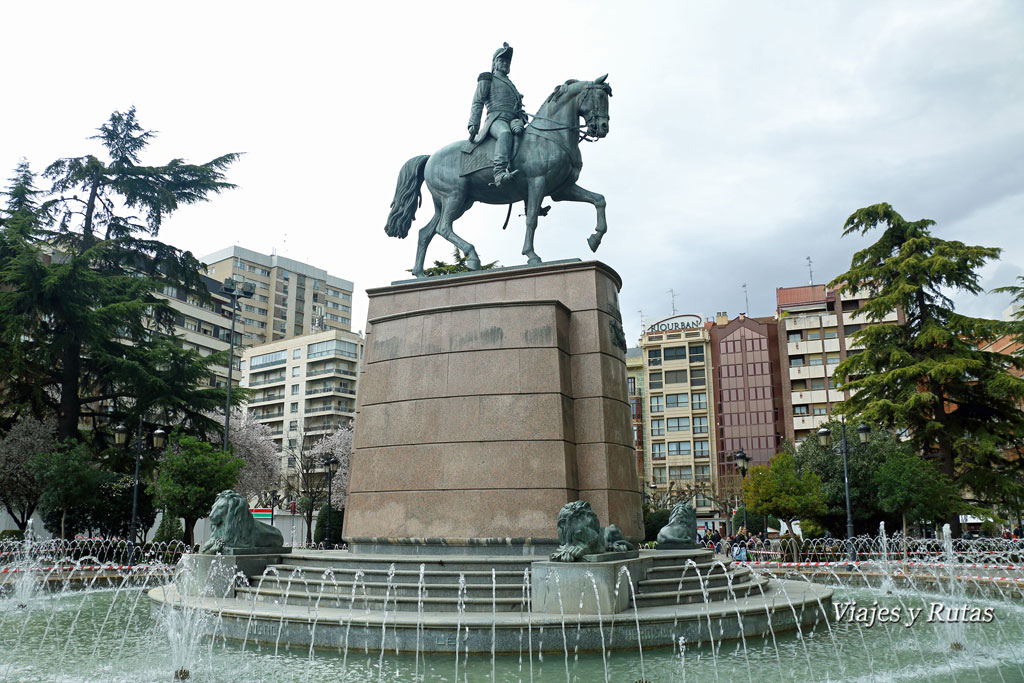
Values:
[(567, 89)]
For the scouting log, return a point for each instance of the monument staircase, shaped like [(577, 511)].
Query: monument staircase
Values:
[(477, 583)]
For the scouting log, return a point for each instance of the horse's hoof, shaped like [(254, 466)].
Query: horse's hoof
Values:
[(594, 241), (473, 263), (419, 274), (534, 261)]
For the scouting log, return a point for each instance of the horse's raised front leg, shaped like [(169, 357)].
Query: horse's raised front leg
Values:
[(534, 196), (575, 193)]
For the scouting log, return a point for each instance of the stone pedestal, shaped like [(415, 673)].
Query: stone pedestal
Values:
[(489, 400), (215, 575)]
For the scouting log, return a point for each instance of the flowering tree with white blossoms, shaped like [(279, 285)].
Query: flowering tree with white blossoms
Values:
[(20, 490), (253, 443), (338, 445)]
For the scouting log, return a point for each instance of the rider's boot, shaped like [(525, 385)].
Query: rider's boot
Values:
[(502, 174)]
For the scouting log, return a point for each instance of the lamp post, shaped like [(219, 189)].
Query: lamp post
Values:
[(742, 460), (121, 438), (862, 435), (329, 463), (230, 287)]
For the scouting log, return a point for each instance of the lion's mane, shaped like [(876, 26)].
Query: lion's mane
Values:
[(233, 526)]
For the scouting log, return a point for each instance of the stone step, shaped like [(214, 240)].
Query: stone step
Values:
[(401, 603), (343, 589), (677, 568), (714, 593), (411, 563), (673, 557), (690, 580), (477, 576)]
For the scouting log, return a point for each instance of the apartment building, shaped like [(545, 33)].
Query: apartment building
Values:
[(748, 389), (815, 325), (303, 388), (635, 387), (204, 327), (291, 298), (678, 415)]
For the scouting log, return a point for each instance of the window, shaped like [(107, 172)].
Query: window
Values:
[(654, 381), (658, 451), (831, 383), (654, 357), (677, 400), (817, 384), (678, 424), (815, 360), (293, 425), (800, 410), (296, 354), (697, 378), (794, 337), (335, 347), (657, 427), (656, 404), (832, 333), (295, 371), (659, 475), (796, 361), (268, 359), (696, 353), (702, 472), (295, 389), (675, 353), (702, 449), (676, 376), (799, 385), (703, 501), (631, 385), (679, 472), (700, 425), (295, 408), (819, 410), (700, 401), (832, 359), (678, 447), (813, 335)]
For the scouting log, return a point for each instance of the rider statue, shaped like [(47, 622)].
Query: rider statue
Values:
[(505, 115)]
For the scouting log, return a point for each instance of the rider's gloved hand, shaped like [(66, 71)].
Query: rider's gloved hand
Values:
[(472, 132)]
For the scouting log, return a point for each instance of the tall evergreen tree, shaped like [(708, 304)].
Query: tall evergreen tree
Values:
[(80, 322), (927, 378)]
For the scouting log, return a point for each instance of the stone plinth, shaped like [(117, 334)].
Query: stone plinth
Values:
[(489, 400)]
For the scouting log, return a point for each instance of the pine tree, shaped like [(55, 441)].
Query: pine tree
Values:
[(927, 378), (80, 325)]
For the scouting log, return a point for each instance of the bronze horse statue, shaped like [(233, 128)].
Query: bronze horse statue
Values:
[(548, 160)]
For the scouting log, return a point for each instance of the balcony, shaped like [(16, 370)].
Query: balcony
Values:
[(330, 371), (810, 322), (807, 371), (268, 364), (802, 347), (858, 318), (835, 396), (268, 416), (809, 421), (263, 382), (831, 345), (814, 396), (331, 390), (328, 409), (265, 399)]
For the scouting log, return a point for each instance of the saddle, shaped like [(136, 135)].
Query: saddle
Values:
[(479, 155)]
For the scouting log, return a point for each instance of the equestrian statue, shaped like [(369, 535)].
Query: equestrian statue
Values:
[(506, 161)]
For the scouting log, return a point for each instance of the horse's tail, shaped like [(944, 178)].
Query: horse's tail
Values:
[(407, 197)]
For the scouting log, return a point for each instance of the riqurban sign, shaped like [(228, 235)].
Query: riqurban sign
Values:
[(677, 322)]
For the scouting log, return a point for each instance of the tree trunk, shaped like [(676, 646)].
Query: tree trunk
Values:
[(70, 408), (904, 515), (947, 465), (190, 529), (309, 523), (63, 517)]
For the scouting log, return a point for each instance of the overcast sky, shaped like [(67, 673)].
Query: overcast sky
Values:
[(742, 134)]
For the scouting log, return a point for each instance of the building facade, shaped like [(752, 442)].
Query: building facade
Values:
[(678, 413), (204, 327), (291, 298), (635, 386), (748, 389), (815, 327), (303, 388)]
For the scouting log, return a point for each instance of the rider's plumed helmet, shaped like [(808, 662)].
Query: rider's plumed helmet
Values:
[(503, 51)]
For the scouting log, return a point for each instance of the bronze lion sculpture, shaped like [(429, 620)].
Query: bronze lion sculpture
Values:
[(580, 533), (234, 527), (681, 531)]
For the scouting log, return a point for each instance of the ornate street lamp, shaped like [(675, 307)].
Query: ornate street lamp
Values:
[(742, 461), (862, 435), (230, 287), (121, 438)]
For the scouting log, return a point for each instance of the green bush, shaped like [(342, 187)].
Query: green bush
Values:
[(170, 529), (12, 535), (330, 537), (653, 521)]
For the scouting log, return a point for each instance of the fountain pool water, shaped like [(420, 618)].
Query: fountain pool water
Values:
[(71, 633)]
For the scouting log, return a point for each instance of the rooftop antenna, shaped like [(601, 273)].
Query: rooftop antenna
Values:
[(810, 272), (672, 292), (746, 300)]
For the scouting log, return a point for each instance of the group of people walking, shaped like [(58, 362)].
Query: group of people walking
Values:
[(740, 545)]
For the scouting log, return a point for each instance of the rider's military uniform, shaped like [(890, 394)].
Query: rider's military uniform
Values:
[(505, 115)]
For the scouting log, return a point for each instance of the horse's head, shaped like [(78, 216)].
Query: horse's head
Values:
[(574, 99), (593, 106)]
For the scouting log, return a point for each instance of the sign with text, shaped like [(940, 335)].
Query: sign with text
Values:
[(686, 321)]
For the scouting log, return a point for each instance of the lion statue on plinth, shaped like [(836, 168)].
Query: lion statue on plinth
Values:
[(580, 533), (234, 526), (681, 531)]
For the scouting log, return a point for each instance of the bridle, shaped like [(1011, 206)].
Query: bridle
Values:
[(582, 130)]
